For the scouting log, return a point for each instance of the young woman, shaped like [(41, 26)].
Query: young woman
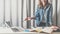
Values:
[(43, 14)]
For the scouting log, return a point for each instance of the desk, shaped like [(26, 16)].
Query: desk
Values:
[(28, 33)]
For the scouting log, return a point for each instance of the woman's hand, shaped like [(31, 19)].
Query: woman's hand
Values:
[(28, 18), (54, 27)]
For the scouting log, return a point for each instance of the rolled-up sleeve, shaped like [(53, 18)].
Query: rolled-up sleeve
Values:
[(36, 12), (37, 17)]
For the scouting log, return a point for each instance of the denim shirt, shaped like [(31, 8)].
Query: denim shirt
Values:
[(48, 14)]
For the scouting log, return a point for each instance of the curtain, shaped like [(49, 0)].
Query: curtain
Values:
[(13, 12)]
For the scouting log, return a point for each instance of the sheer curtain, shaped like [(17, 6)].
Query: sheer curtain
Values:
[(2, 20), (13, 12)]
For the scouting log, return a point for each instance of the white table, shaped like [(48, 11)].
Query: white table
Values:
[(4, 30), (28, 33)]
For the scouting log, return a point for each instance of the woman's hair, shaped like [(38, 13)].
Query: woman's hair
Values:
[(40, 3)]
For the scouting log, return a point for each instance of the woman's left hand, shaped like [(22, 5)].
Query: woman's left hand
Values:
[(54, 28)]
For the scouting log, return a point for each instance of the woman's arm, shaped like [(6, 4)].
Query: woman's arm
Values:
[(30, 18), (33, 17), (36, 15)]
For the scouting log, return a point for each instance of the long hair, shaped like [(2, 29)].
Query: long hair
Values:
[(41, 4)]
